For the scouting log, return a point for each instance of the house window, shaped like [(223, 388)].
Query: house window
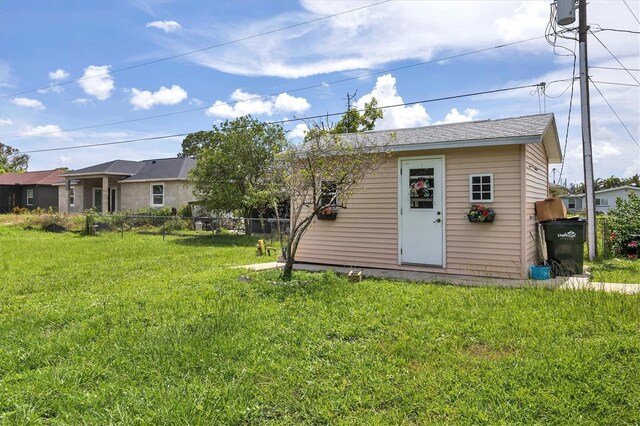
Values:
[(328, 194), (572, 203), (29, 197), (481, 188), (602, 202), (72, 197), (157, 195)]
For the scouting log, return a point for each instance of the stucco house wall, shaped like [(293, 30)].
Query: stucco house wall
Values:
[(137, 195)]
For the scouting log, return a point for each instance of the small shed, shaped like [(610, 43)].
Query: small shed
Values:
[(412, 213)]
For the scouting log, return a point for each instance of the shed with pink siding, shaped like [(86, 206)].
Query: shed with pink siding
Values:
[(411, 214)]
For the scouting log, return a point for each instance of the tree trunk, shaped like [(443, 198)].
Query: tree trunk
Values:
[(288, 268), (247, 222)]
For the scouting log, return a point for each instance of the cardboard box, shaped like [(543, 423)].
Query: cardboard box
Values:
[(550, 209)]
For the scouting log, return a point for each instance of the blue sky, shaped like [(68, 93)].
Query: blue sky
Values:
[(117, 49)]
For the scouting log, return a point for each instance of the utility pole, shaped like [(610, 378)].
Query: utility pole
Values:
[(586, 129)]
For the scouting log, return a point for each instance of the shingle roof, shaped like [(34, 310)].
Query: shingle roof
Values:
[(116, 167), (44, 177), (526, 129), (165, 168)]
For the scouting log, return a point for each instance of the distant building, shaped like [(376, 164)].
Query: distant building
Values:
[(605, 199), (29, 190), (122, 185)]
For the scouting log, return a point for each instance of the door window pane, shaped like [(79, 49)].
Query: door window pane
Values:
[(421, 187)]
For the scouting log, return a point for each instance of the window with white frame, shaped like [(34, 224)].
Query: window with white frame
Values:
[(72, 197), (602, 202), (572, 203), (329, 194), (29, 197), (481, 188), (157, 194)]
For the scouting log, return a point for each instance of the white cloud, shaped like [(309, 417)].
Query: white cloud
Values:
[(81, 101), (48, 130), (454, 116), (435, 27), (51, 88), (97, 82), (166, 26), (144, 99), (28, 103), (5, 122), (299, 131), (386, 93), (58, 74), (243, 103), (287, 103)]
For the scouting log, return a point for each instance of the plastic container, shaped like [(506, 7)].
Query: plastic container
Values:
[(565, 245), (539, 272)]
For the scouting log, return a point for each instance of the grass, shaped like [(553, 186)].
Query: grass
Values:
[(616, 271), (99, 330)]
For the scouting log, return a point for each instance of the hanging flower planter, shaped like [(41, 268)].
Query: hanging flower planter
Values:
[(327, 214), (478, 213)]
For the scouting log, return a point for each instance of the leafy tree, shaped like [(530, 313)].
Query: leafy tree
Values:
[(353, 121), (325, 157), (11, 160), (193, 143), (234, 163)]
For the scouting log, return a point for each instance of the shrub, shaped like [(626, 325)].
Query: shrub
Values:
[(19, 210), (48, 221), (625, 227)]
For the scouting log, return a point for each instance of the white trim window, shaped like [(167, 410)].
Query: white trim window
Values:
[(157, 194), (481, 188), (602, 202), (29, 197), (72, 197)]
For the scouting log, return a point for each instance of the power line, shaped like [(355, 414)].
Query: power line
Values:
[(618, 84), (616, 114), (227, 43), (566, 135), (314, 86), (486, 92), (631, 10), (615, 68), (614, 57)]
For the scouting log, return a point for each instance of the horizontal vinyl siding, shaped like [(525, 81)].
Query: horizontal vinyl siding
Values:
[(365, 234), (537, 187), (487, 249)]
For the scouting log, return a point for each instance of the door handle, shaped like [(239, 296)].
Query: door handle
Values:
[(437, 220)]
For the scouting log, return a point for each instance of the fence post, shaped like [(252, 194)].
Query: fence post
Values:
[(122, 227), (163, 231), (605, 240)]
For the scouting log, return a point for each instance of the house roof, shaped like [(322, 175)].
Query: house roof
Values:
[(625, 187), (115, 167), (136, 171), (505, 131), (43, 177), (165, 168)]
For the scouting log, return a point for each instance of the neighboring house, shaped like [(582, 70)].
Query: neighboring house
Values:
[(29, 190), (605, 199), (500, 163), (121, 185)]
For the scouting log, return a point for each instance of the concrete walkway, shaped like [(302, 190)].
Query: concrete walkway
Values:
[(578, 282)]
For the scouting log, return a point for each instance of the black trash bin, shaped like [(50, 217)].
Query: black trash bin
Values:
[(565, 245)]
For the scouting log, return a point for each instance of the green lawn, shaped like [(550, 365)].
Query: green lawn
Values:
[(100, 330), (616, 271)]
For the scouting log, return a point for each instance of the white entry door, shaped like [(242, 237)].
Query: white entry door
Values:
[(421, 211)]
